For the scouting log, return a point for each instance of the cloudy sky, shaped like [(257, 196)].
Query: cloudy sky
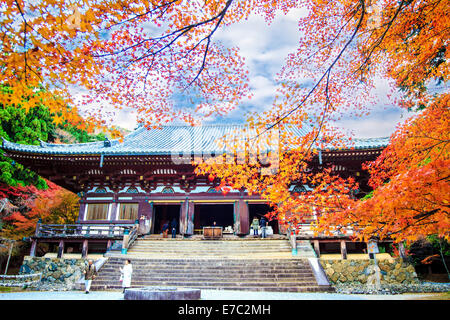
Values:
[(265, 48)]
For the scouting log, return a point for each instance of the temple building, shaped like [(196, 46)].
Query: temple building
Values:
[(148, 177)]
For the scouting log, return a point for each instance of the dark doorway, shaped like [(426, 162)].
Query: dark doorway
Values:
[(206, 214), (163, 214), (259, 210)]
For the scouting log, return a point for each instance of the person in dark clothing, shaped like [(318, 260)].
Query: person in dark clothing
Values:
[(263, 225), (173, 225), (165, 229), (90, 272)]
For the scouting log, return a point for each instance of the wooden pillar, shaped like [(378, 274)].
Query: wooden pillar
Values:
[(242, 217), (60, 249), (343, 250), (317, 248), (108, 245), (33, 247), (183, 217), (190, 213), (152, 217), (84, 251), (126, 237), (145, 216)]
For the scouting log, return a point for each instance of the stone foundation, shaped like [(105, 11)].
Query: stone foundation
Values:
[(393, 271), (57, 274)]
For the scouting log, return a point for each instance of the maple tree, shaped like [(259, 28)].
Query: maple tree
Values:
[(142, 55), (411, 180), (128, 53), (344, 48), (22, 189), (28, 205), (124, 53)]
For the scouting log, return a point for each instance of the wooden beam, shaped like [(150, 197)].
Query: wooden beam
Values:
[(166, 201), (212, 201)]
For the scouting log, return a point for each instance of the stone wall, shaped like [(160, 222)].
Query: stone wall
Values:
[(393, 271), (57, 274)]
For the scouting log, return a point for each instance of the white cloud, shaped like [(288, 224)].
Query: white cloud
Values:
[(126, 118), (381, 122)]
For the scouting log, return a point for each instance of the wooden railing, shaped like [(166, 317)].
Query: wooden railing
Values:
[(133, 236), (82, 230)]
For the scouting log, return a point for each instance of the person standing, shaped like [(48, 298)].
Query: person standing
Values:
[(255, 225), (173, 225), (263, 225), (90, 272), (165, 229), (126, 273)]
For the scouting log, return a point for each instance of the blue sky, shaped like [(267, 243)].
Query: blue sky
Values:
[(265, 48)]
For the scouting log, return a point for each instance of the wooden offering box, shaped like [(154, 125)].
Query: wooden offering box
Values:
[(212, 232)]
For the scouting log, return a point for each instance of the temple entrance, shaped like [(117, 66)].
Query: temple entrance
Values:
[(165, 213), (206, 214), (259, 210)]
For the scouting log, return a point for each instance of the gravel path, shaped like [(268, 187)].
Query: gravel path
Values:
[(209, 295)]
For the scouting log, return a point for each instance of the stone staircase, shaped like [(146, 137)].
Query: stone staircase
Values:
[(224, 249), (255, 265)]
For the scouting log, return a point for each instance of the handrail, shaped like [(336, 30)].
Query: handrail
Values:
[(133, 236)]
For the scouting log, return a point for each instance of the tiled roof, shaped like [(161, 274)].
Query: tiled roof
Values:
[(167, 140)]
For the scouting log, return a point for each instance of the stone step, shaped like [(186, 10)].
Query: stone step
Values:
[(136, 256), (206, 264), (174, 248), (216, 283), (122, 257), (202, 265), (213, 262), (149, 255), (210, 277), (235, 288), (291, 260), (209, 252), (228, 272), (218, 243), (224, 239), (198, 249), (210, 245), (223, 244)]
